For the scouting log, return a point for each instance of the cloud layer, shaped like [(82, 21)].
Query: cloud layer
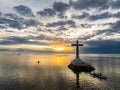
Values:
[(96, 23)]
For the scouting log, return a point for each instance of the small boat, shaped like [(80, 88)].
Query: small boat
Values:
[(38, 61), (98, 75), (18, 54)]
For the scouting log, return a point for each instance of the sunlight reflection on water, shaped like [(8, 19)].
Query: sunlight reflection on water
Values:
[(23, 72)]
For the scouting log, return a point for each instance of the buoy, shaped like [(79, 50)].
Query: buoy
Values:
[(38, 62)]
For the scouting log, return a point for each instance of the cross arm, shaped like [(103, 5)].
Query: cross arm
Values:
[(76, 44)]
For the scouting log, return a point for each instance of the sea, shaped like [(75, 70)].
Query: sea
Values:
[(49, 71)]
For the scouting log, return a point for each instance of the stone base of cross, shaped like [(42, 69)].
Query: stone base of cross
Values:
[(77, 65)]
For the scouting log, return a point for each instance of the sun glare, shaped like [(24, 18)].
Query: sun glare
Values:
[(59, 48)]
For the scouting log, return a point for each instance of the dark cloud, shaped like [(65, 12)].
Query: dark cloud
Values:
[(5, 49), (116, 26), (12, 16), (9, 31), (40, 37), (62, 15), (85, 25), (98, 4), (5, 20), (45, 37), (24, 10), (58, 9), (24, 23), (106, 24), (87, 4), (13, 40), (46, 50), (14, 21), (36, 40), (71, 23), (0, 14), (84, 38), (62, 28), (47, 12), (106, 32), (84, 15), (115, 4), (23, 50), (100, 16), (60, 6), (102, 46), (2, 26), (16, 24), (50, 30), (117, 15), (31, 22)]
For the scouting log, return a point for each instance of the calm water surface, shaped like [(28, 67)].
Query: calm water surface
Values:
[(22, 72)]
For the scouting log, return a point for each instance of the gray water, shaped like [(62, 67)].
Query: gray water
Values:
[(22, 72)]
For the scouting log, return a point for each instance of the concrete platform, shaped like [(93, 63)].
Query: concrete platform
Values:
[(77, 65)]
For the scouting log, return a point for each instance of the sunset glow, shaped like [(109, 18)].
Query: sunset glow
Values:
[(60, 48), (36, 26)]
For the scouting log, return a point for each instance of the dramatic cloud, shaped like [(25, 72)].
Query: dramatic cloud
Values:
[(116, 25), (60, 6), (31, 22), (88, 4), (4, 20), (24, 10), (14, 21), (12, 16), (61, 23), (0, 13), (62, 28), (2, 27), (14, 40), (84, 15), (47, 12), (102, 46), (117, 14), (115, 4), (85, 25), (5, 50), (93, 22), (100, 16)]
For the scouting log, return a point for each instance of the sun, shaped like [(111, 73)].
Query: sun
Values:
[(59, 48)]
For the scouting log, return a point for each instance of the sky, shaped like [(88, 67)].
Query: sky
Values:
[(44, 26)]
